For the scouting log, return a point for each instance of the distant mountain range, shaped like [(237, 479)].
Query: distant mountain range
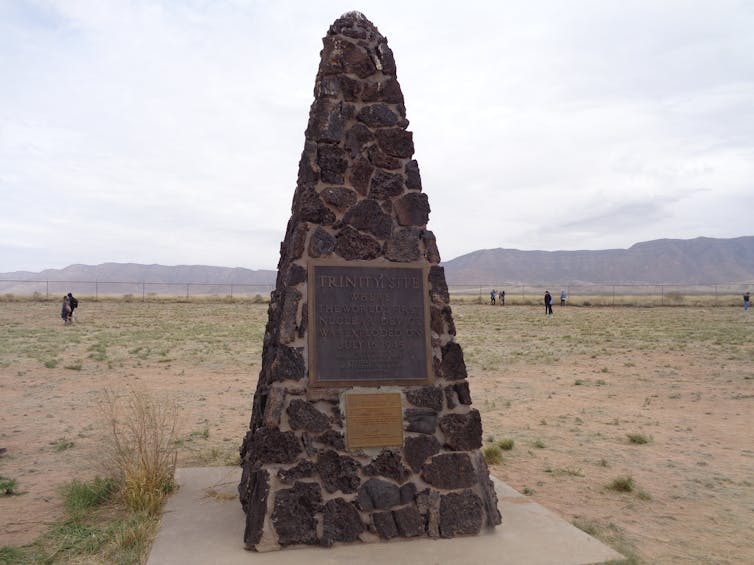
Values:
[(702, 260), (694, 261)]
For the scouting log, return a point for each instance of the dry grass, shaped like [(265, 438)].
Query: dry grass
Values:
[(141, 455), (680, 376)]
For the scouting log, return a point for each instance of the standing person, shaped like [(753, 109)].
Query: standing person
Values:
[(746, 301), (65, 311), (548, 302), (73, 303), (562, 297), (502, 298), (493, 294)]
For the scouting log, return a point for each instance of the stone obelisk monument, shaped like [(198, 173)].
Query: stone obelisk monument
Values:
[(362, 427)]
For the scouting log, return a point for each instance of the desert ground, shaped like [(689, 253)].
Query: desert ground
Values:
[(663, 396)]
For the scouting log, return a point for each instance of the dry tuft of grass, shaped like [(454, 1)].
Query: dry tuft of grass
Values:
[(492, 455), (142, 454), (622, 484)]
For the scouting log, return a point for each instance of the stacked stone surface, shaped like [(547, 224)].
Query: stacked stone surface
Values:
[(358, 197)]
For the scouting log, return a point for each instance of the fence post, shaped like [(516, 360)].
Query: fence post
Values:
[(715, 295), (47, 293), (231, 292), (662, 295), (143, 291), (187, 290), (96, 291), (613, 295)]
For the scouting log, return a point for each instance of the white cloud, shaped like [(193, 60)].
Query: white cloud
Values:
[(170, 131)]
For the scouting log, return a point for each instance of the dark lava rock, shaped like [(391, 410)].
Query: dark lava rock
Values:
[(386, 91), (430, 245), (293, 516), (463, 392), (386, 185), (449, 471), (333, 439), (302, 415), (460, 514), (339, 197), (395, 142), (270, 445), (288, 363), (413, 209), (403, 246), (384, 524), (421, 420), (255, 504), (388, 464), (332, 163), (417, 449), (376, 494), (425, 397), (303, 470), (368, 216), (413, 177), (438, 286), (338, 472), (409, 521), (341, 522), (463, 432), (351, 244), (361, 175), (321, 243), (453, 366), (357, 139)]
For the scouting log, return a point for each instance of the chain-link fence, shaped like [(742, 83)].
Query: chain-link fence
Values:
[(614, 294), (48, 290)]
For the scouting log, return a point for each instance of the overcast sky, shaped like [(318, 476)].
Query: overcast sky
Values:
[(170, 131)]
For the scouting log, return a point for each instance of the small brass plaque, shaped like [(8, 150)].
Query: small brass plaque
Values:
[(374, 419)]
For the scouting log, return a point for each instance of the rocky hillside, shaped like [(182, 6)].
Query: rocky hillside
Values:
[(693, 261), (686, 261)]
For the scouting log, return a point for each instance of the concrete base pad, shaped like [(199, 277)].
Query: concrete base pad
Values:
[(203, 523)]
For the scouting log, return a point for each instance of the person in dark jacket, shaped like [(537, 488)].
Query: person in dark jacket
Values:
[(65, 311), (548, 302), (74, 303)]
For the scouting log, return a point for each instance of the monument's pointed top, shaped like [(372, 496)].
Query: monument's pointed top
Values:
[(355, 25)]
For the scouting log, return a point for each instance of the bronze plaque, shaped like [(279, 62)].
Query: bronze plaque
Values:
[(368, 324), (374, 419)]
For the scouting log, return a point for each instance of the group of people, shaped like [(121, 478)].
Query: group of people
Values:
[(70, 303), (497, 297), (548, 301)]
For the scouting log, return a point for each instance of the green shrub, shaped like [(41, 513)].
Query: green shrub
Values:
[(622, 484), (492, 455), (81, 497), (506, 444), (7, 486)]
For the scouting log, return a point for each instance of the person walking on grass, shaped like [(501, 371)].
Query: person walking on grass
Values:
[(493, 294), (548, 302), (501, 297), (73, 303), (65, 311), (747, 301), (562, 297)]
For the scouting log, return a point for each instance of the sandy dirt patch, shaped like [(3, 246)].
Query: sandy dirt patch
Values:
[(568, 390)]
